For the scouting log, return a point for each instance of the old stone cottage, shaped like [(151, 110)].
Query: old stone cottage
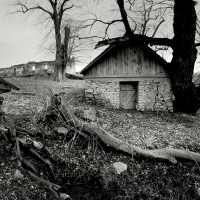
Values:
[(129, 76)]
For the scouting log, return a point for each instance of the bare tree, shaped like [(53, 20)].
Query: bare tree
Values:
[(52, 12), (79, 44)]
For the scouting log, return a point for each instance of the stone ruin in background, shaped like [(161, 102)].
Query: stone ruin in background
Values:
[(35, 68)]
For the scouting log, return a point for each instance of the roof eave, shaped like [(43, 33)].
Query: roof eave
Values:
[(97, 58), (113, 44)]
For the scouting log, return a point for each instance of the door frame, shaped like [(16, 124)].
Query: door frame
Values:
[(135, 84)]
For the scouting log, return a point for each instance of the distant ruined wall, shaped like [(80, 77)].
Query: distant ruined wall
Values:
[(37, 67), (152, 95), (28, 68), (34, 68)]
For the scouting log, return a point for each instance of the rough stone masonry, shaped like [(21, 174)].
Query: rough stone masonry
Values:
[(153, 95)]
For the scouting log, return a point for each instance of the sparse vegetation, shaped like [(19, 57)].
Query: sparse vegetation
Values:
[(88, 172)]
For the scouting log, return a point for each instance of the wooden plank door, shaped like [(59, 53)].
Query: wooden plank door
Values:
[(128, 95)]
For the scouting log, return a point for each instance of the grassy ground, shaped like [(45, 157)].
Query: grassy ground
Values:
[(88, 174)]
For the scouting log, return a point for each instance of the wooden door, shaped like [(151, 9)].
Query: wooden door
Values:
[(128, 95)]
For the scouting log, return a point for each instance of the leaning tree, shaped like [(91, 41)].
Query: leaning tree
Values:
[(183, 42), (51, 14)]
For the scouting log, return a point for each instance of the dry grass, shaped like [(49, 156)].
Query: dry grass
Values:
[(34, 92)]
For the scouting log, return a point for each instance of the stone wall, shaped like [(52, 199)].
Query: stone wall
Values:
[(153, 95), (103, 92), (36, 67)]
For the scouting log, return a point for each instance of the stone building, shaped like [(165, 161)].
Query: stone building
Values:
[(35, 67), (130, 77)]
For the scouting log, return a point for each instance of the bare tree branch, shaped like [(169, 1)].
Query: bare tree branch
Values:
[(140, 39), (25, 9), (147, 13), (156, 29), (94, 21), (124, 17), (63, 9), (88, 37), (52, 3)]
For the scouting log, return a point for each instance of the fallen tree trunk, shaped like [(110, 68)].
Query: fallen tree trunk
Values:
[(169, 154), (52, 187)]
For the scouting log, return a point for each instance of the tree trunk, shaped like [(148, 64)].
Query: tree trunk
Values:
[(66, 51), (184, 53), (61, 54), (58, 76), (58, 63)]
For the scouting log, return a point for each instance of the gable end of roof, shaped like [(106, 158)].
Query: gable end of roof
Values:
[(114, 45)]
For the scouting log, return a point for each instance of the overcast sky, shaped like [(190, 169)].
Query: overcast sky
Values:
[(20, 39)]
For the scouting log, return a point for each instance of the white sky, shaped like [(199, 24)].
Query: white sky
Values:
[(19, 39)]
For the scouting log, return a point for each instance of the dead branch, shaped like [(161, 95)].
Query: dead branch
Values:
[(24, 163), (51, 186), (23, 143), (23, 8), (139, 39)]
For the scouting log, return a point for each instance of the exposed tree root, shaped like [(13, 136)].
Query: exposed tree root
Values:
[(169, 154)]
